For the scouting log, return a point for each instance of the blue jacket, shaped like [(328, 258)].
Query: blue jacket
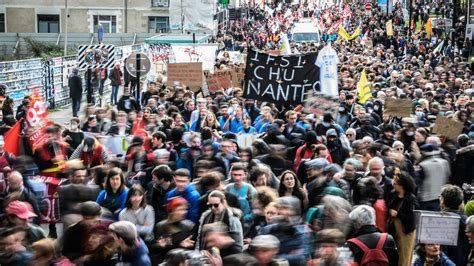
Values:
[(292, 242), (192, 197), (251, 130), (445, 261), (114, 203), (137, 256)]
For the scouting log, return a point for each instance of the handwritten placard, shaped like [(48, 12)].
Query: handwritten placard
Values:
[(238, 75), (221, 79), (447, 127), (398, 107), (437, 228), (189, 74)]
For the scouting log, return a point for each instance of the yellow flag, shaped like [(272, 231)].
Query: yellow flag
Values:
[(429, 27), (356, 33), (363, 88), (343, 33), (389, 26)]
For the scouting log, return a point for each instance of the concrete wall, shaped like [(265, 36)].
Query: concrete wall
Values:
[(81, 12), (20, 20), (78, 21)]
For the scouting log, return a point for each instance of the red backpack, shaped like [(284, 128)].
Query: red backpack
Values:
[(372, 257)]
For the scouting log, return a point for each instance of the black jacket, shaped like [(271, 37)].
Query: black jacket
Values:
[(369, 235), (405, 210), (295, 129), (127, 104), (75, 87), (115, 131), (462, 167)]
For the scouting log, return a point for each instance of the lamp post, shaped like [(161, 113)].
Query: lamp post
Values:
[(66, 10)]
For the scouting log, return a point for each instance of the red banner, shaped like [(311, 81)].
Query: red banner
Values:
[(50, 201)]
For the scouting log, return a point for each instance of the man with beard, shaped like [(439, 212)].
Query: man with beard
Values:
[(338, 153), (388, 132), (289, 230)]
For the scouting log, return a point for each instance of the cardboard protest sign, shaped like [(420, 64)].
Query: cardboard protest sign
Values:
[(398, 107), (219, 82), (189, 74), (437, 227), (447, 127), (281, 79), (319, 104), (221, 79), (238, 75)]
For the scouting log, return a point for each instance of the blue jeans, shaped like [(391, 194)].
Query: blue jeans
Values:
[(76, 105), (114, 94)]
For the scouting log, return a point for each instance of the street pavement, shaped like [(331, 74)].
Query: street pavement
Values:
[(64, 114)]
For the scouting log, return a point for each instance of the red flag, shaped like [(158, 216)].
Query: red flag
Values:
[(39, 137), (12, 138)]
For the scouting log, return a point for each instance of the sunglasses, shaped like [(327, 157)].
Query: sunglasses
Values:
[(213, 205), (349, 135)]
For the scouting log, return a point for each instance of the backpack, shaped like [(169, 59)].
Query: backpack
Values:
[(372, 257)]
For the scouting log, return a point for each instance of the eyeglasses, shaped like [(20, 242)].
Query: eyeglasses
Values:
[(213, 205)]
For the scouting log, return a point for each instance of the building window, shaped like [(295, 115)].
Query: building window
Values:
[(2, 22), (48, 23), (158, 24), (108, 22), (160, 3)]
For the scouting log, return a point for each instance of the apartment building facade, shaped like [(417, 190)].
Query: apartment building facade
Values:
[(115, 16)]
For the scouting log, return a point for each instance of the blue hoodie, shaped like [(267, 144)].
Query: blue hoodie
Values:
[(192, 197), (137, 256)]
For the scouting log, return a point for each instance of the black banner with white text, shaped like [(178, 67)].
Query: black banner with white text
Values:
[(281, 79)]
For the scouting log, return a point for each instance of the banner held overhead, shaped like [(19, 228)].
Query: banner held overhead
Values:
[(281, 79)]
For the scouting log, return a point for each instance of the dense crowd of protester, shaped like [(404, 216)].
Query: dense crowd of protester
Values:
[(340, 189)]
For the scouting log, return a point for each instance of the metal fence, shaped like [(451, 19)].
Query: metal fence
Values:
[(15, 44)]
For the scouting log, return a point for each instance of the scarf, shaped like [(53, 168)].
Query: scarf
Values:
[(119, 77), (431, 261)]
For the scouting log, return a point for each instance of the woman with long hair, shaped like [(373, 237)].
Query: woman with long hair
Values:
[(431, 255), (139, 212), (291, 186), (114, 196), (401, 224), (210, 120)]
